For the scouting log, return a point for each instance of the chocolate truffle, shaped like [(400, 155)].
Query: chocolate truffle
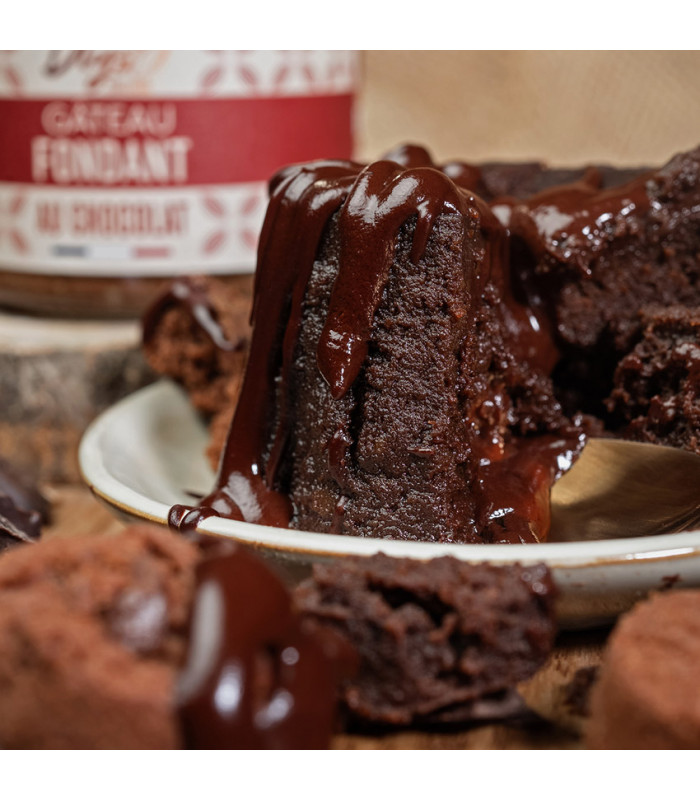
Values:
[(646, 694), (91, 636)]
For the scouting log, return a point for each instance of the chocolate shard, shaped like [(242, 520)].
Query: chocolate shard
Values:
[(23, 509)]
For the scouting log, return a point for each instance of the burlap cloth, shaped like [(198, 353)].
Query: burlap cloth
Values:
[(568, 107)]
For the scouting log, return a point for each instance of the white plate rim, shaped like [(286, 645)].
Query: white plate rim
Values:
[(568, 555)]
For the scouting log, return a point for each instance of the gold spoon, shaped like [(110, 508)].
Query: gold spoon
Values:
[(619, 489)]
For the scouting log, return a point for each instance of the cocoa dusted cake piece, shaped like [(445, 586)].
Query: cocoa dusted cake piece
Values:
[(396, 386), (92, 632), (645, 696), (593, 257), (656, 394), (440, 640)]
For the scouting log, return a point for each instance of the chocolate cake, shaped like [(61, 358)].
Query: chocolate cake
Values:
[(500, 181), (656, 395), (427, 337), (395, 387), (645, 695), (438, 641)]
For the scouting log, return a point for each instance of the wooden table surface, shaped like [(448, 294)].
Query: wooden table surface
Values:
[(77, 513)]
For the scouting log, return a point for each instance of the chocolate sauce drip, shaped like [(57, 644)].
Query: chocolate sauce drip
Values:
[(253, 678), (189, 293), (303, 199), (382, 199), (513, 491)]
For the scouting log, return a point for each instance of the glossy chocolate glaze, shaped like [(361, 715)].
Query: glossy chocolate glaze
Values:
[(569, 224), (372, 204), (253, 678), (513, 493)]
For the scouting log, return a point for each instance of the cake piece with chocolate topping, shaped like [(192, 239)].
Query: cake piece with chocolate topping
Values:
[(396, 386), (198, 333), (656, 397), (594, 257), (440, 640)]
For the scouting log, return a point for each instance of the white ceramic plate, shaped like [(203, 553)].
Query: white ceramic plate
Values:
[(147, 453)]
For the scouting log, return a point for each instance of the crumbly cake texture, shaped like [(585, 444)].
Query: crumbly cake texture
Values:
[(590, 249), (91, 635), (180, 349), (646, 693), (435, 639), (656, 394)]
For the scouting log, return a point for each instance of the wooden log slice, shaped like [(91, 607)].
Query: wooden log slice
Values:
[(56, 376)]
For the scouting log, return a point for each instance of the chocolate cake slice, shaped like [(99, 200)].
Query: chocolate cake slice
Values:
[(437, 640), (395, 387), (656, 396)]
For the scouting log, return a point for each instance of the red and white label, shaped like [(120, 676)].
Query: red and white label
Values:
[(156, 162)]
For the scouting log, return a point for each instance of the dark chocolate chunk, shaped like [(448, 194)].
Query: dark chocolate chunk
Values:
[(23, 509)]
